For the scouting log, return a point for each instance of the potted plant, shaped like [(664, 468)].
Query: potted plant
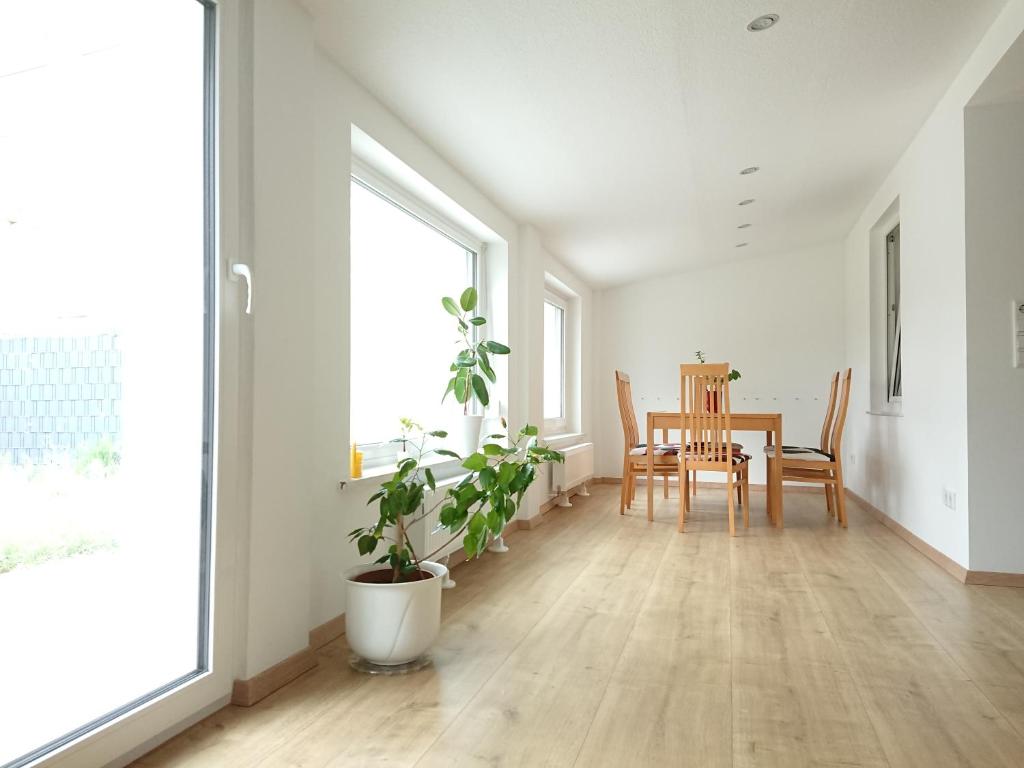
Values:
[(711, 398), (393, 609), (473, 359), (407, 428)]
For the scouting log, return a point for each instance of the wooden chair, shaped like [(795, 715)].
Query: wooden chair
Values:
[(823, 464), (707, 431), (634, 458)]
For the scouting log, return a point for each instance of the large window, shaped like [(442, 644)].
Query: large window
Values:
[(554, 364), (106, 306), (894, 334), (402, 341)]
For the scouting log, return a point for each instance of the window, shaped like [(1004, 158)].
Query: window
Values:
[(107, 309), (403, 261), (554, 364), (894, 368)]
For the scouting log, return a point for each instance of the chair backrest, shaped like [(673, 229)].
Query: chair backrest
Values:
[(826, 428), (836, 445), (704, 404), (630, 431)]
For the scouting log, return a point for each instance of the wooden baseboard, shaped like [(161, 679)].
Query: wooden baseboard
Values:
[(945, 562), (995, 579), (245, 693), (327, 632)]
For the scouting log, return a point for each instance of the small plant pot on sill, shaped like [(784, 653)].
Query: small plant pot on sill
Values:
[(393, 624)]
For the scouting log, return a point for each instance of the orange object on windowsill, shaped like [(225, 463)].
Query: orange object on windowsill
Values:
[(355, 463)]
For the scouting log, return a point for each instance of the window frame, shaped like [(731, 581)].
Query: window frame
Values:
[(377, 455), (893, 319), (100, 740), (558, 425)]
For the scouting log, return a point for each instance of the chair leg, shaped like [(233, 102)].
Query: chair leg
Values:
[(768, 488), (840, 495), (745, 489), (684, 498), (732, 508), (665, 485), (625, 486), (629, 488), (695, 482), (828, 500), (739, 490)]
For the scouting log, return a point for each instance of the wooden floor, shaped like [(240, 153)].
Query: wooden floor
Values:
[(600, 640)]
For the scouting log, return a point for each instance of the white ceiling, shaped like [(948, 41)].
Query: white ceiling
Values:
[(618, 127)]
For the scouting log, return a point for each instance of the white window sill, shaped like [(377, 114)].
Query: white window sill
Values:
[(442, 463), (897, 414), (563, 439)]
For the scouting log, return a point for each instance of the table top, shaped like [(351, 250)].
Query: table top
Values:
[(739, 420)]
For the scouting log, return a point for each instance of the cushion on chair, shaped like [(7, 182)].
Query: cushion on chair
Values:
[(737, 458), (800, 453), (662, 449), (736, 447)]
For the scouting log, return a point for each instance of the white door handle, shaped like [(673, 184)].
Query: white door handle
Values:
[(243, 271)]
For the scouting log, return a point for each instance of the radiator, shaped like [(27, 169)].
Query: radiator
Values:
[(578, 467)]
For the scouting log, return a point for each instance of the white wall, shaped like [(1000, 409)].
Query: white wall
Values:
[(995, 277), (776, 320), (902, 464)]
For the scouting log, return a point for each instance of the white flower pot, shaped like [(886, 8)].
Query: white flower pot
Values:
[(390, 624), (464, 436)]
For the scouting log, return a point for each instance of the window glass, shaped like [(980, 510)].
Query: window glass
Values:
[(554, 362)]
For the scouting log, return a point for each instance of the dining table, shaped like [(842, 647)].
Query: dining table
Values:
[(769, 423)]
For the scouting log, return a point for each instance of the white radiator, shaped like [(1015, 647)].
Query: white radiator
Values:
[(578, 467)]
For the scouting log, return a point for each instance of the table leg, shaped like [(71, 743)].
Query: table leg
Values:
[(777, 480), (664, 439), (650, 468)]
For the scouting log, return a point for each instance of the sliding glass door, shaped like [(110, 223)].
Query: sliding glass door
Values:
[(106, 307)]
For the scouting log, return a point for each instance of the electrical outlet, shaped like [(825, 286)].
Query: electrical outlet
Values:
[(949, 498)]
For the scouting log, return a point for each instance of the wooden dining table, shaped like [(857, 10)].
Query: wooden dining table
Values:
[(769, 423)]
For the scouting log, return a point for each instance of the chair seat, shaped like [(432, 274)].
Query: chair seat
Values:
[(800, 453), (663, 449), (737, 458)]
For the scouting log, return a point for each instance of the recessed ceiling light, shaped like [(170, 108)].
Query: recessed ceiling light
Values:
[(761, 23), (742, 245), (748, 201), (742, 226), (750, 170)]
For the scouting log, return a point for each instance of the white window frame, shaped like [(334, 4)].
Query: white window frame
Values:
[(893, 320), (559, 425), (378, 455)]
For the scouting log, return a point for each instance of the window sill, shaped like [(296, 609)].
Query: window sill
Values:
[(384, 470), (563, 439), (896, 414)]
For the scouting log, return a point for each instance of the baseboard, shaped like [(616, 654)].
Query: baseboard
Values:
[(945, 562), (529, 523), (327, 632), (245, 693), (995, 579)]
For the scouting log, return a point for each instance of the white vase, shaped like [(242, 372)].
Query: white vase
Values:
[(391, 624), (464, 437)]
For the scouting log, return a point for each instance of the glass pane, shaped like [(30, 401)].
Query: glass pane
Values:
[(554, 361), (402, 339), (102, 360)]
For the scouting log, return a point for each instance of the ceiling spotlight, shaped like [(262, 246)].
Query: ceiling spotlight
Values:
[(748, 201), (742, 226), (761, 23), (750, 170), (742, 245)]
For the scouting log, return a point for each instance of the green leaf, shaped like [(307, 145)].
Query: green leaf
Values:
[(451, 306), (477, 320), (490, 449), (461, 390), (465, 359), (485, 364), (506, 471), (451, 387), (430, 479), (376, 496), (529, 431), (480, 388), (488, 477), (367, 544), (468, 299), (438, 433), (477, 524), (496, 348), (446, 452), (475, 462), (495, 521)]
